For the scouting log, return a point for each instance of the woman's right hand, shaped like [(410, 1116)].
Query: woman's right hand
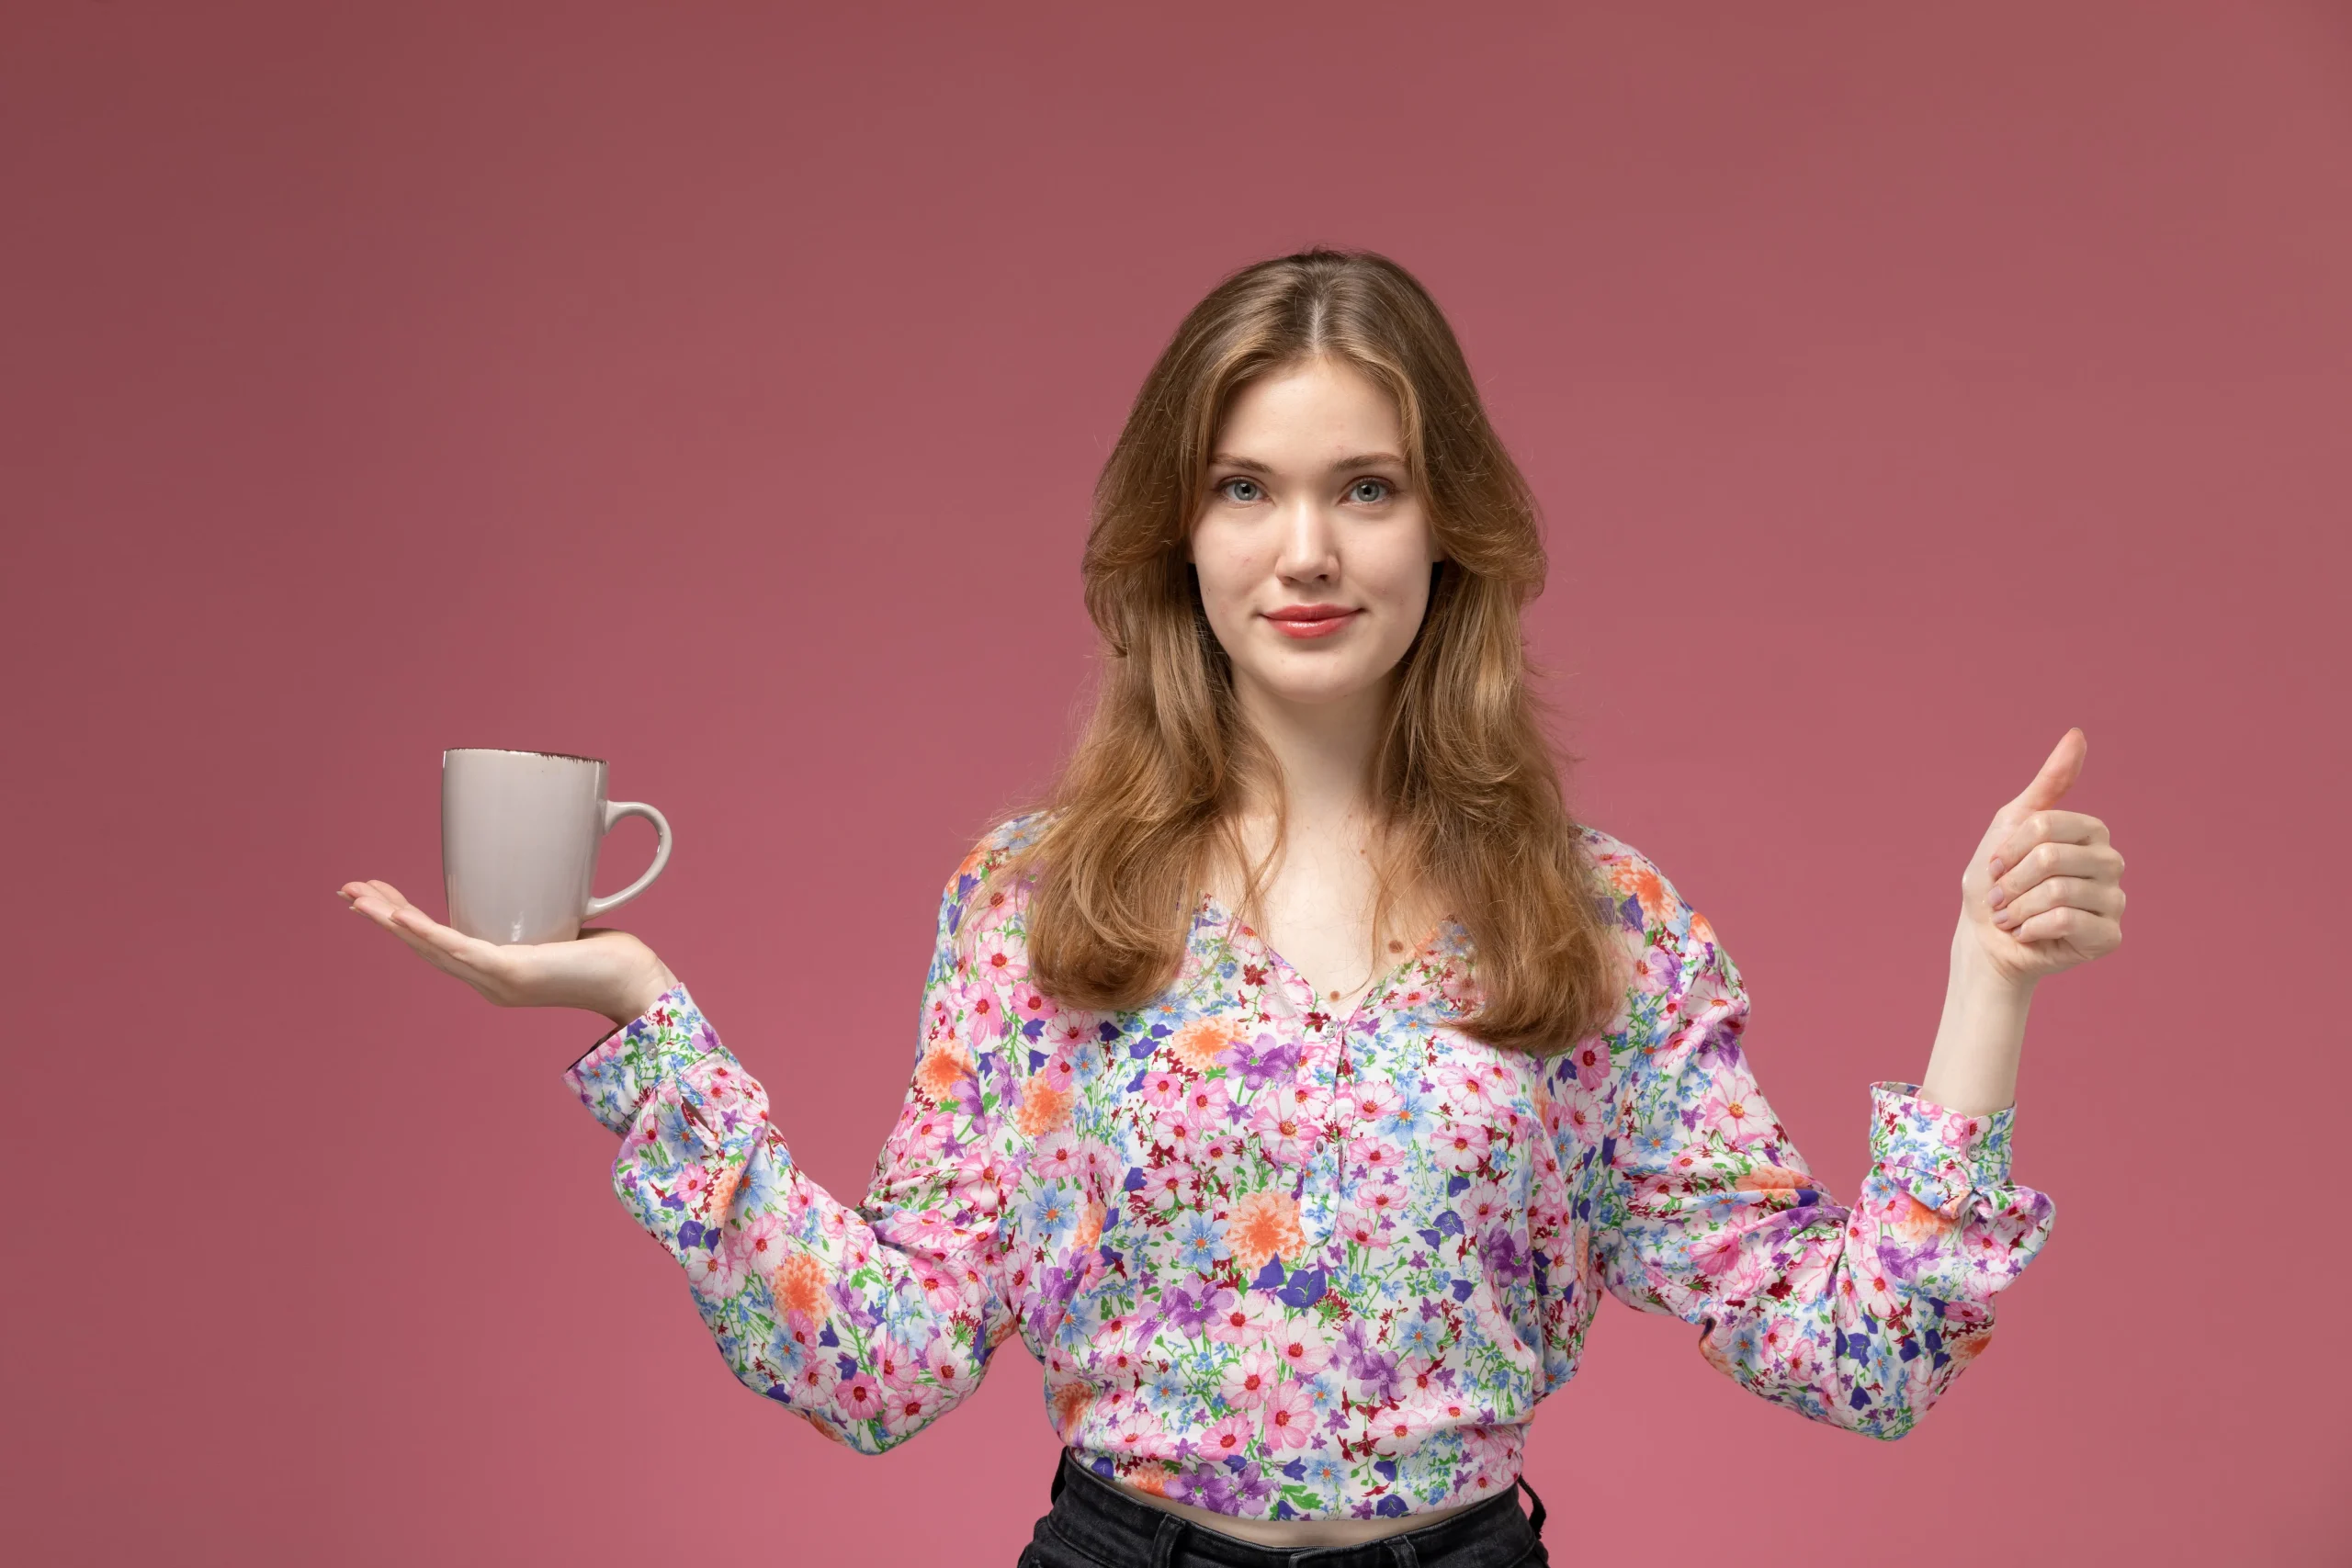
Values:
[(605, 971)]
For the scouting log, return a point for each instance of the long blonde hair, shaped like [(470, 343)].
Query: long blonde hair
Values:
[(1466, 787)]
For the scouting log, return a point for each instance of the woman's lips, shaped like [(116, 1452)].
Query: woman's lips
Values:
[(1310, 620)]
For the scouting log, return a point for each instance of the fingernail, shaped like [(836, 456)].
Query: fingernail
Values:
[(1997, 897), (2006, 918), (1997, 867)]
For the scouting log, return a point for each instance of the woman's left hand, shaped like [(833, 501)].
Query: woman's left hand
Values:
[(2044, 890)]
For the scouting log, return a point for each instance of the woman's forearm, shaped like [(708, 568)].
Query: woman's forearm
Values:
[(1974, 1068)]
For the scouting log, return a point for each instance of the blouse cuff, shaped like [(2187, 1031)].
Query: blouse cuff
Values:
[(614, 1079), (1941, 1154)]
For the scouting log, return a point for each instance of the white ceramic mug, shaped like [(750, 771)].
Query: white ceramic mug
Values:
[(519, 835)]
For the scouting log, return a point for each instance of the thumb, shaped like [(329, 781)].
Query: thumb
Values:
[(2057, 776)]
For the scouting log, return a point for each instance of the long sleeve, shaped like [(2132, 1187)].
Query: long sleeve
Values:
[(871, 1321), (1858, 1317)]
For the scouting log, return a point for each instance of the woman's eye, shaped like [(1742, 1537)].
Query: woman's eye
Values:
[(1243, 490), (1369, 490)]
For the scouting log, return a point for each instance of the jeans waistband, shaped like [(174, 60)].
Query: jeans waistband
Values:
[(1098, 1517)]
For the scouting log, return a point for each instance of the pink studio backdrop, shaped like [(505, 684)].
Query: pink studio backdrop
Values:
[(716, 389)]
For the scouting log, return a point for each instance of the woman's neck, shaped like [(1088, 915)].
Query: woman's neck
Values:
[(1322, 753)]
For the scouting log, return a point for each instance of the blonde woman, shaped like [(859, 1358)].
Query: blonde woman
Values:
[(1294, 1082)]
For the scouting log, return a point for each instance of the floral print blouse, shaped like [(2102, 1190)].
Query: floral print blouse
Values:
[(1282, 1264)]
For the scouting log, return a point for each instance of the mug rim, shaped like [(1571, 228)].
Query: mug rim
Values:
[(448, 751)]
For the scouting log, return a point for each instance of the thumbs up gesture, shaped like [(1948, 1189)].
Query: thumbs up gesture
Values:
[(2044, 890)]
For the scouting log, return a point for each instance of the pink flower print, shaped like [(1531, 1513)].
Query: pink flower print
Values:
[(761, 1244), (1300, 1346), (1716, 1254), (813, 1381), (1171, 1185), (1068, 1033), (1058, 1075), (954, 1373), (716, 1272), (1230, 1436), (1385, 1202), (1467, 1088), (997, 960), (1140, 1435), (1489, 1448), (858, 1397), (1774, 1341), (1243, 1323), (893, 1365), (983, 1017), (1578, 1114), (905, 1409), (1286, 1135), (1460, 1147), (1370, 1100), (1058, 1156), (1432, 1407), (1206, 1106), (1288, 1419), (1591, 1061), (1393, 1432), (926, 1230), (1374, 1160), (1120, 1361), (938, 1284), (1481, 1207), (980, 1178), (923, 1136), (1874, 1288), (1246, 1383), (1030, 1003), (1163, 1089), (1737, 1112), (1361, 1226)]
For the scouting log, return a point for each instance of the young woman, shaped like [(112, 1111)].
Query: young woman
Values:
[(1296, 1083)]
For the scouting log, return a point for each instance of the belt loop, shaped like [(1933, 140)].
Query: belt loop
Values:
[(1535, 1518), (1402, 1552), (1165, 1539)]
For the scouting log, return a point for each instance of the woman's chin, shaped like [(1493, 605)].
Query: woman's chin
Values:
[(1317, 688)]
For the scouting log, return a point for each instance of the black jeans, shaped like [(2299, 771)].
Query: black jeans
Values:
[(1095, 1525)]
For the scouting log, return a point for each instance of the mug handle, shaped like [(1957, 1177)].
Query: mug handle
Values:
[(614, 811)]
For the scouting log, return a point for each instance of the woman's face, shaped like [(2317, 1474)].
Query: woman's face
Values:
[(1313, 550)]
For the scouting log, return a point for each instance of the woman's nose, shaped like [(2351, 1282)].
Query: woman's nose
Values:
[(1311, 545)]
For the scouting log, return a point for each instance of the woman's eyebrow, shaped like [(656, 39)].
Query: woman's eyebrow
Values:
[(1359, 460)]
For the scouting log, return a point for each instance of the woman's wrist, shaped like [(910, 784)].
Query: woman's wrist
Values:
[(643, 990), (1974, 1065)]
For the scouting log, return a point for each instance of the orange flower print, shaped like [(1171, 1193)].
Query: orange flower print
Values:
[(1070, 1405), (1080, 1168), (1263, 1225), (1642, 881), (1912, 1221), (1150, 1476), (801, 1285), (1773, 1178), (1044, 1109), (940, 1070), (1197, 1045)]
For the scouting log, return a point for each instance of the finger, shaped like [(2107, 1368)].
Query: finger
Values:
[(2058, 774), (459, 955), (2094, 934), (2061, 892), (2044, 828), (2098, 862)]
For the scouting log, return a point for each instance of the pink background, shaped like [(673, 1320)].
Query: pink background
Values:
[(718, 389)]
